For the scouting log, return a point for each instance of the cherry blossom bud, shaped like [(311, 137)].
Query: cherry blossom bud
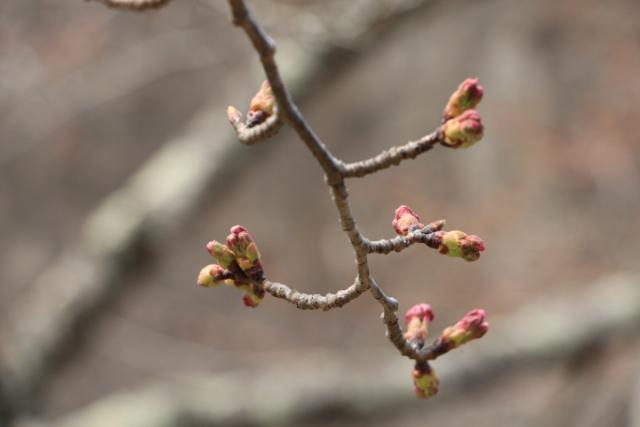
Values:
[(425, 381), (406, 220), (222, 253), (251, 300), (472, 326), (435, 226), (246, 252), (417, 320), (211, 275), (422, 312), (457, 243), (466, 97), (463, 131), (262, 105), (234, 116)]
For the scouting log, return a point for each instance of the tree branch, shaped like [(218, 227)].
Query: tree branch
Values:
[(336, 171), (392, 156)]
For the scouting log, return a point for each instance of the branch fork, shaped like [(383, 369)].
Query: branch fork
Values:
[(238, 261), (272, 107)]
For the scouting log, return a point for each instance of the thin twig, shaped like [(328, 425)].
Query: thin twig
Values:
[(306, 301), (335, 173), (392, 156)]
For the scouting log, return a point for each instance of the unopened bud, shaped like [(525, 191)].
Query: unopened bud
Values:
[(262, 105), (466, 97), (234, 116), (253, 296), (472, 326), (457, 243), (406, 220), (246, 252), (425, 381), (222, 253), (417, 320), (463, 131), (211, 275)]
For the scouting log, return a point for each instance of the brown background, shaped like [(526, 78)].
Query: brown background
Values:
[(88, 94)]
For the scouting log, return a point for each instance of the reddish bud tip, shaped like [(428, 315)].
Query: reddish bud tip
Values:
[(406, 220), (421, 311), (467, 96)]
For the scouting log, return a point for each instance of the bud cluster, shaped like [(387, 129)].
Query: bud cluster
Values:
[(472, 326), (454, 243), (238, 266), (462, 124)]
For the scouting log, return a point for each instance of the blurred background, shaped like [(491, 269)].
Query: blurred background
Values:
[(117, 165)]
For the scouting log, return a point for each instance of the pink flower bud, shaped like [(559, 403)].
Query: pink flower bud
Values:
[(211, 275), (417, 319), (222, 253), (422, 312), (472, 326), (466, 97), (406, 220), (262, 105), (425, 381), (246, 252), (457, 243), (463, 131)]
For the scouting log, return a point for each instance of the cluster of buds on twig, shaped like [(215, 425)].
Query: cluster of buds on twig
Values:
[(417, 319), (453, 243), (238, 266), (462, 124)]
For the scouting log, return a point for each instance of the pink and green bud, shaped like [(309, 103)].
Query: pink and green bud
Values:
[(222, 253), (425, 381), (251, 300), (246, 252), (262, 105), (472, 326), (463, 131), (406, 220), (417, 320), (457, 243), (466, 97), (211, 275)]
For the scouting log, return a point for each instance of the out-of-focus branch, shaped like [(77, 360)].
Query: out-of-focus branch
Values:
[(88, 273), (135, 4), (557, 331)]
